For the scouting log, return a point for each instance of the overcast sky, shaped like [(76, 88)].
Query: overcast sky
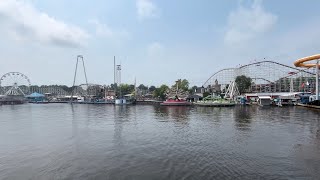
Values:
[(156, 41)]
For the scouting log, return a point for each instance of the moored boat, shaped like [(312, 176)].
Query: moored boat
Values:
[(215, 101), (175, 102)]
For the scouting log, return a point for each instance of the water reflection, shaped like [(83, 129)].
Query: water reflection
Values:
[(242, 117), (213, 114), (132, 142), (179, 114), (121, 114)]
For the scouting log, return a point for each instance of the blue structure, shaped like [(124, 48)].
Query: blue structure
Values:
[(36, 97), (243, 100), (304, 99)]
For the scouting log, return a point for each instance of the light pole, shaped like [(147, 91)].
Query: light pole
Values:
[(317, 80)]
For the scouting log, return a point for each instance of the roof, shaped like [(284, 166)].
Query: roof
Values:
[(194, 96), (129, 95), (286, 97), (264, 97), (273, 94), (35, 94)]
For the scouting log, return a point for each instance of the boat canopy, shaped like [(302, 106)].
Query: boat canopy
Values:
[(264, 97), (35, 95)]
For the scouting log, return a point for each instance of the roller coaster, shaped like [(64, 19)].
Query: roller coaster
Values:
[(267, 76)]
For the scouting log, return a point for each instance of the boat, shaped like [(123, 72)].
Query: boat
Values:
[(215, 101), (175, 102), (315, 104), (123, 101), (309, 101), (12, 99), (264, 101)]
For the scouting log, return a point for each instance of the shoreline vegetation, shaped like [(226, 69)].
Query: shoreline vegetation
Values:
[(153, 92)]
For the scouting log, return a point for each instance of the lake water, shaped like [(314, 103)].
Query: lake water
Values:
[(64, 141)]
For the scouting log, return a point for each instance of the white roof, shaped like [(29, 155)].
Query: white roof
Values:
[(286, 97), (70, 96), (264, 97), (273, 94)]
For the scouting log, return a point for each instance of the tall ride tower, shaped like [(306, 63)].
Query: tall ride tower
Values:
[(79, 58)]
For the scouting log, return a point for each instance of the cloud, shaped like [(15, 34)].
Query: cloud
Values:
[(101, 29), (245, 23), (25, 23), (146, 9), (105, 31)]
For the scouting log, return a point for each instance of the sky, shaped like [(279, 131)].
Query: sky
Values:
[(155, 41)]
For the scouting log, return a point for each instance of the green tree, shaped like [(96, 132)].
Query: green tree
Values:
[(160, 92), (205, 94), (182, 84), (152, 88), (113, 86), (143, 87), (126, 89), (243, 83)]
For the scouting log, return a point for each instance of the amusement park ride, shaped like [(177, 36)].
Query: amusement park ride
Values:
[(267, 77), (316, 66), (271, 78), (301, 63), (13, 88), (79, 58)]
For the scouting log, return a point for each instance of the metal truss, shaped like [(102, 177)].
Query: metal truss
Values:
[(267, 76)]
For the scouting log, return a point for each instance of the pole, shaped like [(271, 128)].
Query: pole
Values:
[(135, 88), (114, 70), (177, 87), (114, 76), (317, 80), (75, 73), (291, 84), (74, 79), (84, 70), (85, 74), (119, 78)]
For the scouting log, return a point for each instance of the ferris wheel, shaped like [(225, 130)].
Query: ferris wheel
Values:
[(14, 83)]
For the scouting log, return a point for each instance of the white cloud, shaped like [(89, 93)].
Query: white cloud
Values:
[(146, 9), (101, 29), (245, 24), (105, 31), (24, 22)]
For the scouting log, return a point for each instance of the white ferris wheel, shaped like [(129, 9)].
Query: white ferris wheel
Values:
[(15, 84)]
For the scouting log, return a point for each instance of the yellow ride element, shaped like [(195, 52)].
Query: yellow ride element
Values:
[(300, 62)]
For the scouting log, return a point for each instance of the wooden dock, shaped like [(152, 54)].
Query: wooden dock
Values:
[(308, 106)]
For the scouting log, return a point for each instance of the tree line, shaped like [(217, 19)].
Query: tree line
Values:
[(158, 92)]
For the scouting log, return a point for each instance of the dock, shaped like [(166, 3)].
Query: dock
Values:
[(308, 106)]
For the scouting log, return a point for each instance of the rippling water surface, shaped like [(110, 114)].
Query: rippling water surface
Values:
[(63, 141)]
